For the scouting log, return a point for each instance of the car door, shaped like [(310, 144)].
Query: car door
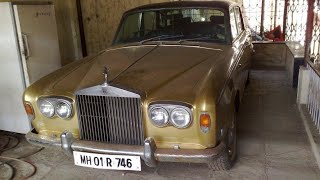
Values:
[(241, 47), (227, 105)]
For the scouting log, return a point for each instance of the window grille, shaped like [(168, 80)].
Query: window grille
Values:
[(273, 15), (315, 47), (253, 11), (297, 20), (264, 15)]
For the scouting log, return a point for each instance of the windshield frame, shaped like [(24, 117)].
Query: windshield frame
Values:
[(225, 11)]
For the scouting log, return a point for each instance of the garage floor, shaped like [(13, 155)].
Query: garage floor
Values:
[(272, 145)]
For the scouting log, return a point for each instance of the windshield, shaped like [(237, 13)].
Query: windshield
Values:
[(186, 24)]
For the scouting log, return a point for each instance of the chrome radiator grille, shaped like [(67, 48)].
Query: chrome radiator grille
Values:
[(116, 120)]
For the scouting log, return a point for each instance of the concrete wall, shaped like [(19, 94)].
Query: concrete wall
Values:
[(270, 55), (101, 19), (68, 30), (287, 56)]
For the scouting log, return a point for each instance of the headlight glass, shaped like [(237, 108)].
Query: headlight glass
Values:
[(51, 106), (63, 109), (180, 118), (46, 108), (159, 116)]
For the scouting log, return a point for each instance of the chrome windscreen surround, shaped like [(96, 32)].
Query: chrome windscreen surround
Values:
[(110, 114), (109, 91)]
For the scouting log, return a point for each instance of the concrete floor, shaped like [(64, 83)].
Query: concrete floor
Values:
[(272, 145)]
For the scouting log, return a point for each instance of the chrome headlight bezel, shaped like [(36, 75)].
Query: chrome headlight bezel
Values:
[(55, 101), (41, 102), (170, 108), (68, 104), (166, 121), (174, 123)]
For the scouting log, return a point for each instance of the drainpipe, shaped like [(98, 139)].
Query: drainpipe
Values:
[(81, 29)]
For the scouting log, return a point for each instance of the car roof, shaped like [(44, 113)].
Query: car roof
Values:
[(222, 4)]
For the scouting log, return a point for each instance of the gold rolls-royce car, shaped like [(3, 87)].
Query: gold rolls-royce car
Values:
[(167, 90)]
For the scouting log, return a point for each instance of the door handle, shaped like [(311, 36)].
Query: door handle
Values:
[(26, 47)]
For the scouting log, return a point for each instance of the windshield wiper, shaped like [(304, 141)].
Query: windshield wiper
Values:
[(162, 37), (193, 39)]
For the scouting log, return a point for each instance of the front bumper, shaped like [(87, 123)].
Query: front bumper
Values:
[(148, 152)]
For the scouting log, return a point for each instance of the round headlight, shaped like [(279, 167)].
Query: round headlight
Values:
[(46, 108), (180, 118), (63, 109), (159, 116)]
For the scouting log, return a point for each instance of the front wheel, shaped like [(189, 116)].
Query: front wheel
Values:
[(227, 158), (222, 163)]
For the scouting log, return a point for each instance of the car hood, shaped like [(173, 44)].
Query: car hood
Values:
[(166, 72)]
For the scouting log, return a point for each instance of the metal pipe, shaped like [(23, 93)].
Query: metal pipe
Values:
[(309, 28), (285, 13), (262, 18), (275, 13)]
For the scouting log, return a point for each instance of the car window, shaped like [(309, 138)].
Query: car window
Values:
[(238, 20), (233, 24), (149, 21), (201, 24), (133, 24)]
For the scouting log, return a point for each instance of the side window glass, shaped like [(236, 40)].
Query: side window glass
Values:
[(149, 21), (130, 26), (238, 20), (233, 24)]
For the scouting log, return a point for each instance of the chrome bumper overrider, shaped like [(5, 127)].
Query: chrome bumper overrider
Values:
[(148, 152)]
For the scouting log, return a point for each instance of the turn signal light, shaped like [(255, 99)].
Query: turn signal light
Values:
[(29, 110), (205, 122)]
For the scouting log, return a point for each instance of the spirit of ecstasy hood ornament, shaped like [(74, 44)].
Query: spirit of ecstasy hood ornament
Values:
[(105, 84), (106, 74)]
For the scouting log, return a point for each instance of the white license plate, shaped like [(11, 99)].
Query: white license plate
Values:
[(102, 161)]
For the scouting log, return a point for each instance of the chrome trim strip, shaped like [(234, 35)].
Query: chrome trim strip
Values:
[(110, 92), (148, 152)]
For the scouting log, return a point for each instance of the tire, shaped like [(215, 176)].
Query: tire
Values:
[(222, 163), (227, 159)]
